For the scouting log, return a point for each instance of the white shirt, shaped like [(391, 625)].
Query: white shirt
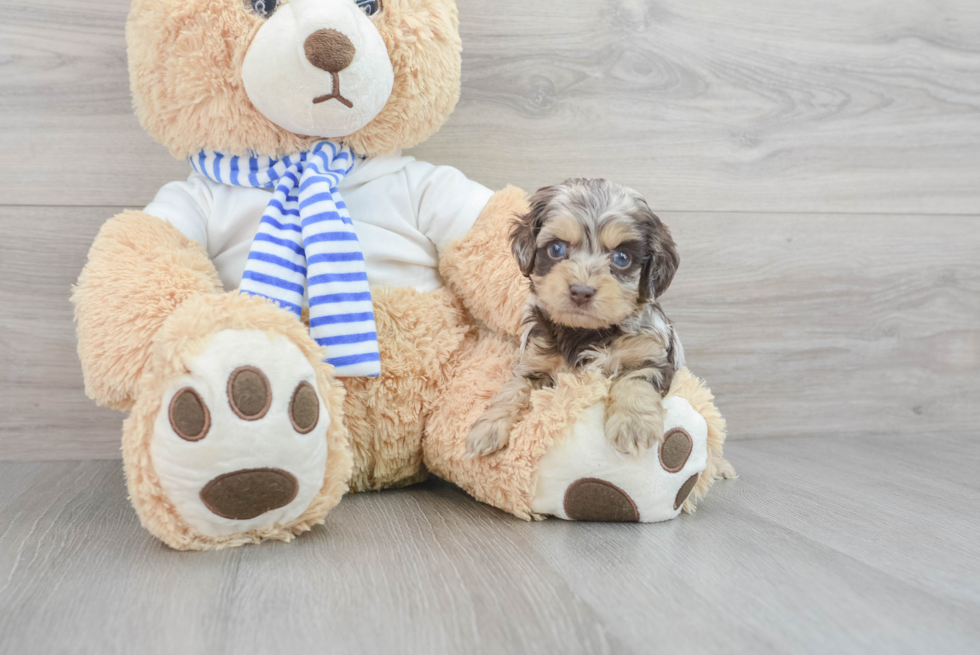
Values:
[(404, 212)]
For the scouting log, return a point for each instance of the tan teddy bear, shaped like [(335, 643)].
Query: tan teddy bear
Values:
[(311, 309)]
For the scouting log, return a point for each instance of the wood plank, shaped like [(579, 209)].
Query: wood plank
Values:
[(823, 545), (891, 502), (810, 551), (78, 574), (801, 324), (42, 398), (767, 105), (813, 325), (762, 106)]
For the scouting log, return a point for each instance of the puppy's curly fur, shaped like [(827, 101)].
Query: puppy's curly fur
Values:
[(597, 258)]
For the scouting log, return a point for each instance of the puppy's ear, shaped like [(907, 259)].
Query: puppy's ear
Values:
[(527, 226), (662, 258)]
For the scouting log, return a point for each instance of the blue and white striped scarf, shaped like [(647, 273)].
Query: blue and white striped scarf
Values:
[(306, 246)]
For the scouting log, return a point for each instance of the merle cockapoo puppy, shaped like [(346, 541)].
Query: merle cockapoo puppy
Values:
[(597, 258)]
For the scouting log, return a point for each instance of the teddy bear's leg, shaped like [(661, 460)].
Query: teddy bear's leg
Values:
[(559, 461), (419, 333), (236, 431)]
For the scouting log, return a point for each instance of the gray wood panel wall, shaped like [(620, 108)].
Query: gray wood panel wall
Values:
[(819, 163)]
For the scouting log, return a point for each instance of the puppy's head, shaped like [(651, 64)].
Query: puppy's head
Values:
[(594, 251)]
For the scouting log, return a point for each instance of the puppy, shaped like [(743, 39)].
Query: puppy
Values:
[(598, 259)]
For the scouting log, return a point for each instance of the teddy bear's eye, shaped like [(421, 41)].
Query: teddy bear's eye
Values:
[(264, 8), (369, 7)]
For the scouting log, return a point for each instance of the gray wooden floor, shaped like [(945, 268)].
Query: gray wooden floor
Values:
[(824, 545)]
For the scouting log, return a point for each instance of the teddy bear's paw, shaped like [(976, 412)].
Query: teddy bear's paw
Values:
[(583, 477), (239, 444)]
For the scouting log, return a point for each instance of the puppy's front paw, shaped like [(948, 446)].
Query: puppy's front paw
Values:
[(632, 432), (487, 436)]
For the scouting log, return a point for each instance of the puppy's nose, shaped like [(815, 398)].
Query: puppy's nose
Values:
[(581, 294), (329, 50)]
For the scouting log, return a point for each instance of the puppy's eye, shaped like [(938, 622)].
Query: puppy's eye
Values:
[(621, 259), (369, 7), (558, 250), (263, 8)]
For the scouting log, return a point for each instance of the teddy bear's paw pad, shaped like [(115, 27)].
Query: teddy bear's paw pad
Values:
[(189, 416), (249, 393), (242, 495), (685, 490), (241, 442), (675, 449), (589, 499), (583, 477)]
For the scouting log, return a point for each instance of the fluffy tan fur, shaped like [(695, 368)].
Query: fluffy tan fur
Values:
[(481, 270), (419, 334), (183, 336), (185, 61), (139, 270)]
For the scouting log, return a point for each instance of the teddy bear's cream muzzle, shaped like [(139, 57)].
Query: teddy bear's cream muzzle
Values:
[(318, 68)]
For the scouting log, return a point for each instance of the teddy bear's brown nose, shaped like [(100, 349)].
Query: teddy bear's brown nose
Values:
[(329, 50)]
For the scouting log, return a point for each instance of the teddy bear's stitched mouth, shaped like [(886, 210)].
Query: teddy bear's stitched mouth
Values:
[(335, 95)]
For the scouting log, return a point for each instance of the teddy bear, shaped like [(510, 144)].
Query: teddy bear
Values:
[(313, 312)]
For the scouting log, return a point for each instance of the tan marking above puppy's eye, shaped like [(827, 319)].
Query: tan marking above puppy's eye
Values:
[(562, 228), (616, 231)]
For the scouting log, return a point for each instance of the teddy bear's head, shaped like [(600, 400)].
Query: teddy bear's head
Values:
[(272, 77)]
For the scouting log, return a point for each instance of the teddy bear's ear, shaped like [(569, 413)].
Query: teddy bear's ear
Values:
[(527, 226)]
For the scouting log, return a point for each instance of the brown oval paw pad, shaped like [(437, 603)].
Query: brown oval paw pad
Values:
[(675, 449), (686, 490), (189, 416), (248, 393), (243, 495), (590, 499), (304, 408)]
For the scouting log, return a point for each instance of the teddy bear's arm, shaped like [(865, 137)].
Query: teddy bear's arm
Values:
[(139, 270), (481, 270)]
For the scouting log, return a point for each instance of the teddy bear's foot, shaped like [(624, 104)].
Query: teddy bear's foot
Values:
[(585, 478), (231, 435), (235, 444)]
